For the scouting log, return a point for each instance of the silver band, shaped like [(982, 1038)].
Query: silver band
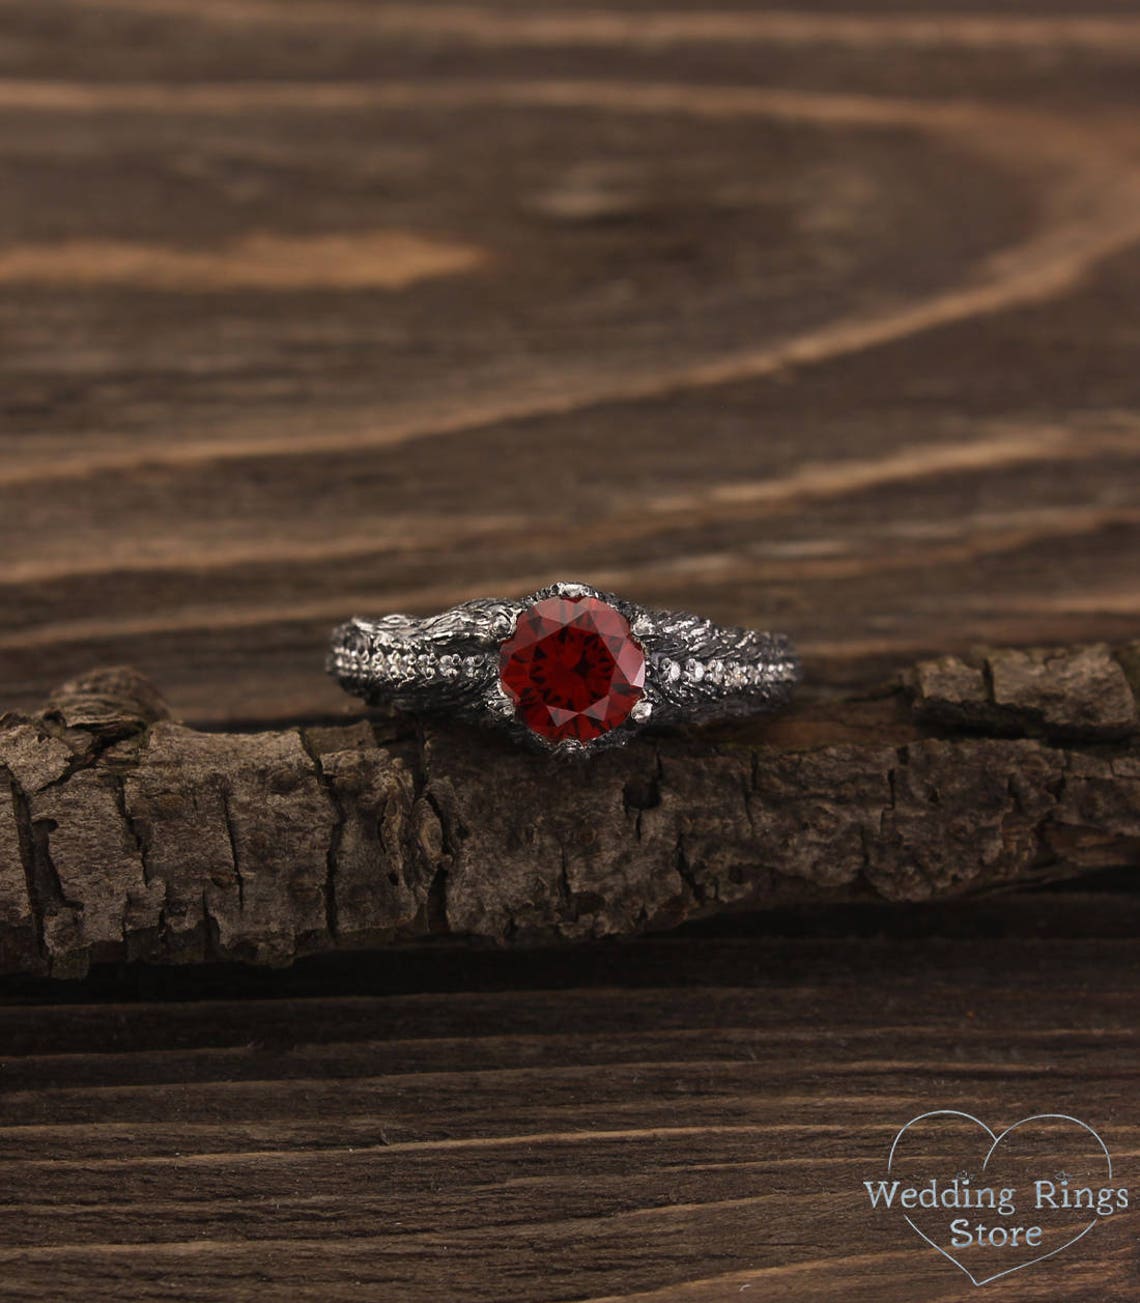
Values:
[(695, 670)]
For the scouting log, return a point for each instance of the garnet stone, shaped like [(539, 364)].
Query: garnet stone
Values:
[(572, 668)]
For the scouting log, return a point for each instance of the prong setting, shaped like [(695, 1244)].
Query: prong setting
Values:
[(572, 590), (569, 747), (499, 701)]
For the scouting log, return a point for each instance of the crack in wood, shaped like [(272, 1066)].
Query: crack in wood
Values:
[(335, 836)]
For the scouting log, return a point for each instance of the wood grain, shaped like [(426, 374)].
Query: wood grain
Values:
[(820, 317), (672, 1119), (736, 317)]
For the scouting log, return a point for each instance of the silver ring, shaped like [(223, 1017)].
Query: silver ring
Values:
[(569, 669)]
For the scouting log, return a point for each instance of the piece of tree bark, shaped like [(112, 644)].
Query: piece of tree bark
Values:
[(128, 835)]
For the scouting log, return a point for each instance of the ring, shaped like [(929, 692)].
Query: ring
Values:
[(569, 669)]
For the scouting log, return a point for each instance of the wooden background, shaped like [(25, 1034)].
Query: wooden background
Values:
[(820, 320), (825, 318)]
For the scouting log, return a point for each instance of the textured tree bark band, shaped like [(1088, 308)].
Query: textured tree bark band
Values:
[(569, 669)]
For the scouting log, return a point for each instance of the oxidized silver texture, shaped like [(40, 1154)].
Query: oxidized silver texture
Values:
[(448, 664)]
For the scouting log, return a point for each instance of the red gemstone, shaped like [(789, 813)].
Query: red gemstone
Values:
[(572, 667)]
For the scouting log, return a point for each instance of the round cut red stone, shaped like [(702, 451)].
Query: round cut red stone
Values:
[(572, 668)]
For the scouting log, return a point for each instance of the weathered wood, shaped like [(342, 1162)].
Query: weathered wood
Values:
[(129, 835), (822, 321), (666, 1119)]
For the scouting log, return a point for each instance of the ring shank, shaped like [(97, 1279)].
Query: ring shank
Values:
[(696, 670)]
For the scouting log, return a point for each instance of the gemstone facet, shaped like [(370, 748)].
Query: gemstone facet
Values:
[(572, 668)]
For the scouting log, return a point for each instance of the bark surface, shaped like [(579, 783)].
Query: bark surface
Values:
[(129, 835)]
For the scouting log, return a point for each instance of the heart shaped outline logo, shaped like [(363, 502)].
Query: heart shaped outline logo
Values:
[(997, 1139)]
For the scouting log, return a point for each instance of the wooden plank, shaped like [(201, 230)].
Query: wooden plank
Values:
[(698, 1122), (820, 318), (732, 316)]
